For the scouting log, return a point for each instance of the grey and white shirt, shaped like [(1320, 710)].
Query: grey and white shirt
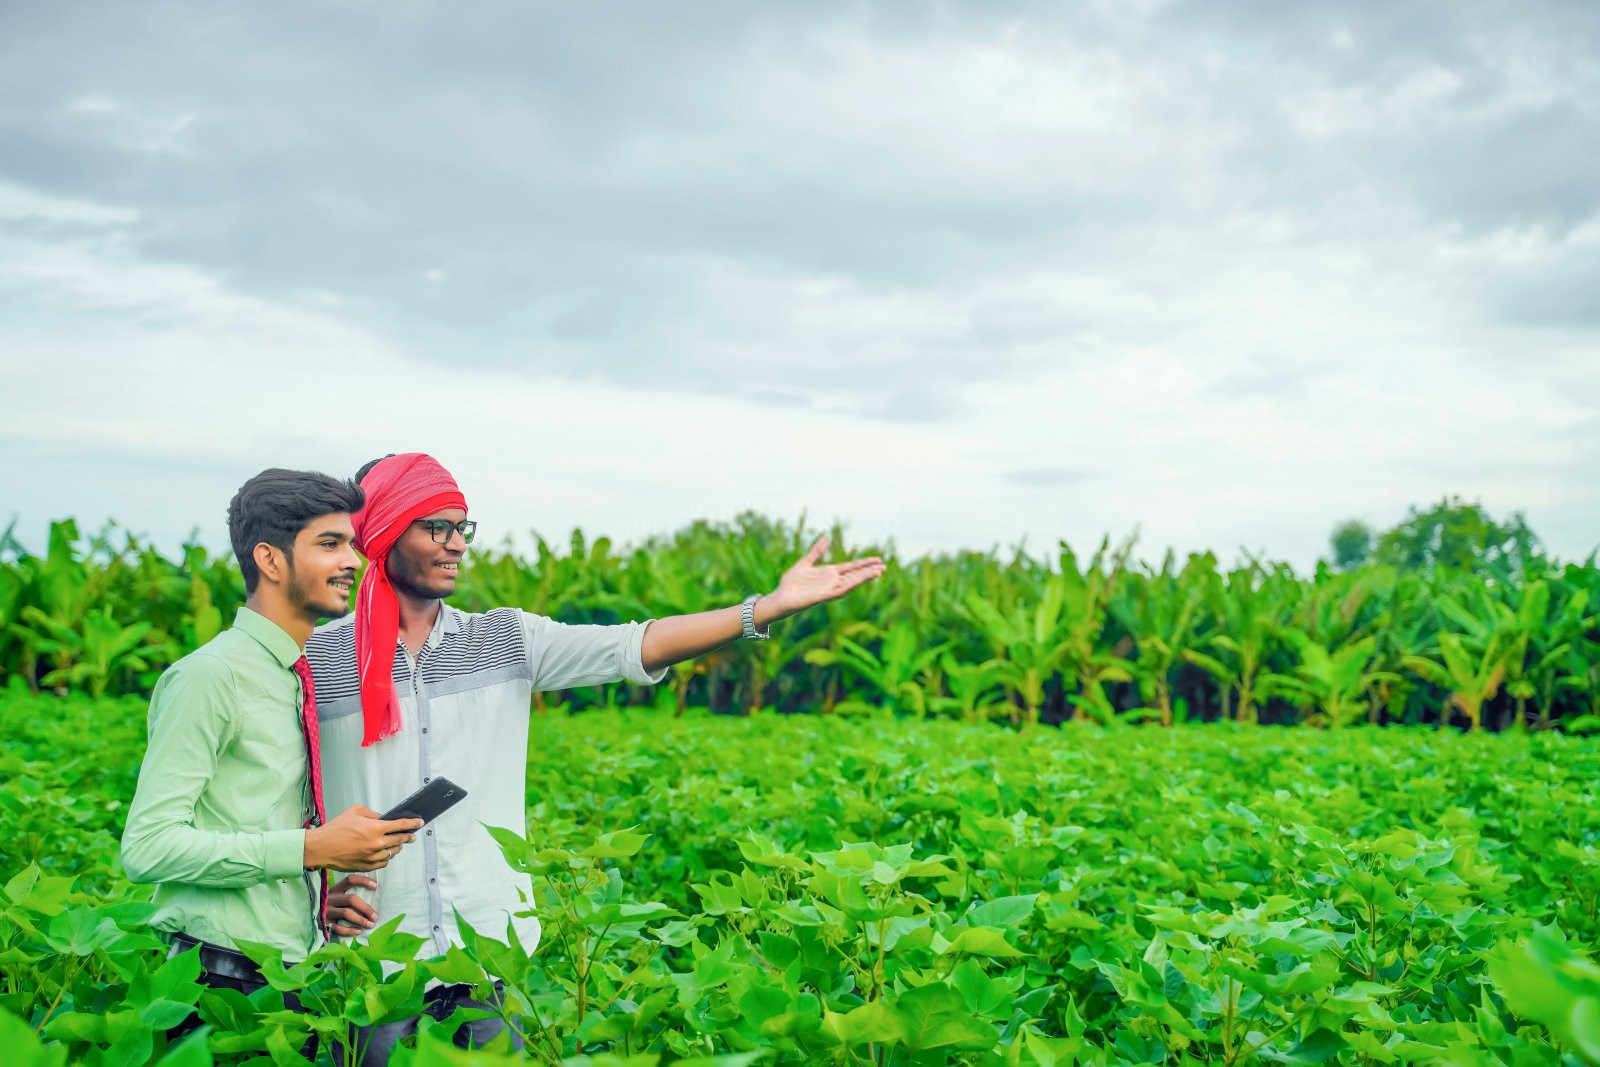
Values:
[(464, 704)]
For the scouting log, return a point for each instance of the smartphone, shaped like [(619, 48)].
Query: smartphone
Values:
[(429, 802)]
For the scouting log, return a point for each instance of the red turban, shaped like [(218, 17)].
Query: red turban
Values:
[(400, 490)]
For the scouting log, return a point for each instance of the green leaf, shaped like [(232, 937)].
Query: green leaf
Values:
[(871, 1023), (398, 997), (982, 941), (192, 1051), (454, 968), (618, 844), (935, 1016), (1545, 980), (227, 1010), (23, 1047), (1002, 911)]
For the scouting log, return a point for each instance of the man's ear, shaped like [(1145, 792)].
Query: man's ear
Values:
[(271, 563)]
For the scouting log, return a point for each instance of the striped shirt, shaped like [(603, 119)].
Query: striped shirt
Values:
[(464, 704)]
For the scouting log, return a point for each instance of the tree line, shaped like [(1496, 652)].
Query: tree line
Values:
[(1450, 617)]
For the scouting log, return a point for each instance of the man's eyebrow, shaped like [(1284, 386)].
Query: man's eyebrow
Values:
[(337, 534)]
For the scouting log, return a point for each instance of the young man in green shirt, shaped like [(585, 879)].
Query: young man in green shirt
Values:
[(227, 818)]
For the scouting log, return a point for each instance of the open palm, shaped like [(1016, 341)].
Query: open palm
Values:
[(809, 582)]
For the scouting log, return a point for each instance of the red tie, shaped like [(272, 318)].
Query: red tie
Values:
[(308, 727)]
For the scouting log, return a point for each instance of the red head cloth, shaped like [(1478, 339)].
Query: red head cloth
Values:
[(400, 490)]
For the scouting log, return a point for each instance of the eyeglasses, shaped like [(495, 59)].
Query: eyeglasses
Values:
[(441, 529)]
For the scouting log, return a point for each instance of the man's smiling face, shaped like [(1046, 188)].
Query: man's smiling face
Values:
[(423, 568), (322, 567)]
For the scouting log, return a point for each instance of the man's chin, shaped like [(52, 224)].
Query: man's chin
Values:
[(423, 592), (330, 610), (439, 586)]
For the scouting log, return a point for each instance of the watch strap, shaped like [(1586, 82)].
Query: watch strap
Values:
[(747, 615)]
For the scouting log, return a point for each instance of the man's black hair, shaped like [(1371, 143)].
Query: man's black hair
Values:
[(369, 464), (276, 505)]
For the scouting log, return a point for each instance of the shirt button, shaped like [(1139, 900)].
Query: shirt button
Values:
[(432, 881), (437, 928), (424, 729), (426, 780), (430, 831)]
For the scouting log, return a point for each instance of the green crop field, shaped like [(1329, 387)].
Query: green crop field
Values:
[(805, 889), (992, 808)]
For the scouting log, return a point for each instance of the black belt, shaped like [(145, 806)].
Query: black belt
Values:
[(223, 962)]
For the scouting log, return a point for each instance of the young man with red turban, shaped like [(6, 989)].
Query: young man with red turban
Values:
[(410, 689)]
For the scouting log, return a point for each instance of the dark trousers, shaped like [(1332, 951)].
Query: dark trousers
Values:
[(378, 1042), (225, 968)]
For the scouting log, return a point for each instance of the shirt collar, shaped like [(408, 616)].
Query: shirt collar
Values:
[(279, 645), (448, 621)]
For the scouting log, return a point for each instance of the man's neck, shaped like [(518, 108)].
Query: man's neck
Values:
[(417, 618), (279, 612)]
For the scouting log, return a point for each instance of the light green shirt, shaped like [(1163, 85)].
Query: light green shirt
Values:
[(217, 819)]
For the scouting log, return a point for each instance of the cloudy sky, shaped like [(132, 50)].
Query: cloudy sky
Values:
[(958, 274)]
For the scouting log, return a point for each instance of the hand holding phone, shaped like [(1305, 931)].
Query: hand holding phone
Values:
[(429, 802), (356, 839)]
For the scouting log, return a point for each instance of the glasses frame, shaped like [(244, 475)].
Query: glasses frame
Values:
[(467, 528)]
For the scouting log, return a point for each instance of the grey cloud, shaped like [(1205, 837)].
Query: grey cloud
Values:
[(1562, 292), (1531, 167), (637, 193)]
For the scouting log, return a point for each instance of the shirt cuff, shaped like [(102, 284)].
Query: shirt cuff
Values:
[(283, 852), (633, 659)]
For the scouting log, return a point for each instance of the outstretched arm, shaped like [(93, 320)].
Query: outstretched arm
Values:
[(680, 637)]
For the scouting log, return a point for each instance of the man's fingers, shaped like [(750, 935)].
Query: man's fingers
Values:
[(357, 913), (401, 826), (387, 849), (859, 571), (357, 908), (352, 881), (816, 551), (342, 930), (858, 578), (845, 581)]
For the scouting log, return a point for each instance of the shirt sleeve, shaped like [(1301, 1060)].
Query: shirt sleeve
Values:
[(190, 727), (562, 655)]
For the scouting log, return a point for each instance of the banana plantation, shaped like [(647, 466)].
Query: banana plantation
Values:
[(1009, 637)]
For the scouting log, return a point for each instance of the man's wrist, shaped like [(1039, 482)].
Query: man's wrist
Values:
[(768, 610), (313, 858)]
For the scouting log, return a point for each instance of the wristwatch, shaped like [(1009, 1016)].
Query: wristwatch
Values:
[(747, 612)]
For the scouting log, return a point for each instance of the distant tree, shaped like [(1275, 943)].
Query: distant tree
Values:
[(1352, 544), (1458, 535)]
